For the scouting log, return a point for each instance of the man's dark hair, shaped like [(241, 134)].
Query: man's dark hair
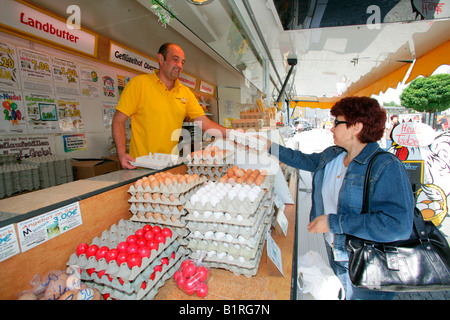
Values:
[(164, 49)]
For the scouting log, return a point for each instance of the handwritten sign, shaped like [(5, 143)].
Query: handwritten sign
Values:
[(413, 134)]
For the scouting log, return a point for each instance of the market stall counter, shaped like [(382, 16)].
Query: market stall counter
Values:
[(104, 201)]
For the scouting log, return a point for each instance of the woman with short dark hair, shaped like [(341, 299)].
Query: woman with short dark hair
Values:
[(338, 181)]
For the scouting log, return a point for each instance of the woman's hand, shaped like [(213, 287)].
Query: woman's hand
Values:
[(319, 225)]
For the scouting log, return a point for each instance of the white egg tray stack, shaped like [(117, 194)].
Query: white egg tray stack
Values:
[(156, 161), (162, 204), (247, 139), (232, 240), (129, 285)]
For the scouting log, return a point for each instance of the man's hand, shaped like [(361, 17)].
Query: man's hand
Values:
[(125, 161)]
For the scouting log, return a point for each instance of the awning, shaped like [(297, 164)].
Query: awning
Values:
[(389, 81), (426, 64), (321, 103)]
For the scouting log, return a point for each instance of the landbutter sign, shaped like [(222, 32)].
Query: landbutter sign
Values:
[(26, 19)]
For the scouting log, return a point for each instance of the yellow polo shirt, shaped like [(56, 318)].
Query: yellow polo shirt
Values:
[(156, 113)]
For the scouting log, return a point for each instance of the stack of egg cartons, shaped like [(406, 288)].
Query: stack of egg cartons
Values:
[(211, 162), (53, 169), (160, 198), (16, 178), (120, 281), (228, 224)]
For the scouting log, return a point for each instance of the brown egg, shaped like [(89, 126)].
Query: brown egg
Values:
[(168, 181), (163, 217), (154, 183), (154, 205), (170, 207), (231, 180), (155, 195), (224, 179), (180, 207), (148, 214), (239, 173), (235, 167), (240, 180), (138, 183), (163, 197), (173, 219), (146, 195), (171, 198), (259, 180), (250, 180), (190, 180), (156, 215), (182, 179), (137, 196), (230, 172)]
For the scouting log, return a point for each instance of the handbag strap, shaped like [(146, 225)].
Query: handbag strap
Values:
[(365, 205), (418, 222)]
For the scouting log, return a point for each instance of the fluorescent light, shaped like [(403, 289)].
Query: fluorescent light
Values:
[(199, 2)]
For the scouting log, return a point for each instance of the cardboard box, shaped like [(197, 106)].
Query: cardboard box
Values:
[(87, 168)]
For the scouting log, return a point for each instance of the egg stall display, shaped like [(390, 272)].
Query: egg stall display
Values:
[(159, 198), (211, 162), (228, 224), (130, 261)]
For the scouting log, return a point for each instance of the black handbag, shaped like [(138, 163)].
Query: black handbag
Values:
[(420, 263)]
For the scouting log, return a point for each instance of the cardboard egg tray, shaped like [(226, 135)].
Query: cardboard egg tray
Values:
[(211, 172), (239, 266), (156, 160), (142, 294), (234, 207), (247, 139), (176, 189), (133, 289), (111, 238), (247, 250), (250, 218), (205, 158), (158, 218)]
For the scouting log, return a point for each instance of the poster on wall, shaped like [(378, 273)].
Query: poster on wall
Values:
[(89, 81), (74, 142), (35, 71), (121, 83), (42, 115), (9, 72), (27, 146), (69, 114), (37, 230), (65, 76), (12, 119), (109, 109), (109, 87)]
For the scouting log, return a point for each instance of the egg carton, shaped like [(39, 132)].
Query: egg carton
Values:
[(211, 172), (156, 161), (149, 217), (112, 268), (212, 235), (167, 210), (216, 160), (175, 188), (142, 294), (229, 218), (135, 286), (267, 184), (164, 198), (237, 266), (246, 250), (234, 207), (248, 140)]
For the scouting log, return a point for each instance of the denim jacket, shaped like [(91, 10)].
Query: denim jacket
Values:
[(391, 199)]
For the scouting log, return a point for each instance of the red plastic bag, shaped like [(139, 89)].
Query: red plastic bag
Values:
[(192, 277)]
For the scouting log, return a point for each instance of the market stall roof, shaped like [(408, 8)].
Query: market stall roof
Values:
[(341, 48)]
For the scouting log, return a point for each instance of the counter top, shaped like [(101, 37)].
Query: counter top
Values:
[(25, 206)]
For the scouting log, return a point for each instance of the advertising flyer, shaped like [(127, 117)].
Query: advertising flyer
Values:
[(89, 82), (37, 230), (9, 72), (65, 77), (69, 114), (42, 115), (35, 71), (13, 118), (9, 246), (108, 113), (74, 142)]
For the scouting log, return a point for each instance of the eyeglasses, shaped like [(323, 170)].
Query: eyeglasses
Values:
[(337, 122)]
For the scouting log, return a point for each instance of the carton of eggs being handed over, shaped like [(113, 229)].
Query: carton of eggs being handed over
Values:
[(156, 160), (247, 139)]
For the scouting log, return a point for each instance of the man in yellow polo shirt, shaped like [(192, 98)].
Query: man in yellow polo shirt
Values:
[(157, 104)]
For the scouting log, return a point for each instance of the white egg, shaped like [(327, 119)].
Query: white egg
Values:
[(227, 216), (252, 196), (232, 194), (241, 259), (229, 237), (219, 235), (222, 254), (236, 246), (241, 239), (239, 218), (203, 200), (194, 198), (242, 195), (211, 253), (197, 234), (206, 214), (225, 245), (230, 257), (214, 200), (218, 214), (196, 214), (434, 205), (209, 234)]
